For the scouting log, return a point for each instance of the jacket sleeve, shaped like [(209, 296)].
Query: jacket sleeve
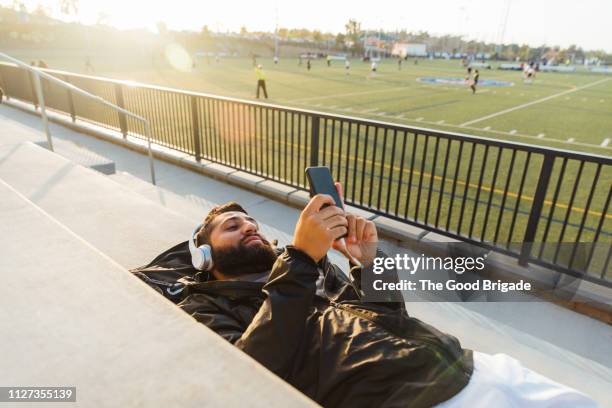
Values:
[(363, 278), (278, 328)]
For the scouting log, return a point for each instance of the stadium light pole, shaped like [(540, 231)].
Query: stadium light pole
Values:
[(276, 30), (502, 28)]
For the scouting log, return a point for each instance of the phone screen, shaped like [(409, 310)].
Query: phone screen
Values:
[(321, 182)]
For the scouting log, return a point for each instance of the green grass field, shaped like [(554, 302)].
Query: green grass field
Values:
[(570, 111), (577, 114)]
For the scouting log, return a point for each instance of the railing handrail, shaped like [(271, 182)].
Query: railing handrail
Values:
[(40, 73), (325, 115)]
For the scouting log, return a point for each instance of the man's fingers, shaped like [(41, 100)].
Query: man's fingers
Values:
[(370, 231), (351, 226), (316, 202), (330, 211), (338, 232), (335, 221), (359, 227)]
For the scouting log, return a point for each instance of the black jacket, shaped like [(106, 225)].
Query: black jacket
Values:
[(336, 349)]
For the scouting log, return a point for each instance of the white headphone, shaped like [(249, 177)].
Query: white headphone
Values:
[(201, 257)]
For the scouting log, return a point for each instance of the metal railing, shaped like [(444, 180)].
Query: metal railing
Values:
[(541, 205), (36, 74)]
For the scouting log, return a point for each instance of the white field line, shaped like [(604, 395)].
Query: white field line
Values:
[(314, 98), (500, 132), (534, 102)]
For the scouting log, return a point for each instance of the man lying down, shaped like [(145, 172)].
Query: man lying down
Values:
[(304, 319)]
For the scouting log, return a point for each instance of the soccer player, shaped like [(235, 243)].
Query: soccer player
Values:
[(347, 67), (373, 68), (475, 81), (308, 65), (399, 63), (261, 81)]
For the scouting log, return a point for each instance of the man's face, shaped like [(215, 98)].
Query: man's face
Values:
[(237, 245)]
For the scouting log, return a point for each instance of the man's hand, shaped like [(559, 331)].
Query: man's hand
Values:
[(318, 227), (362, 239)]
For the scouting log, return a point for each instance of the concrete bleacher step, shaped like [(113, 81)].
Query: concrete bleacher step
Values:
[(191, 206), (74, 317), (120, 223), (81, 155)]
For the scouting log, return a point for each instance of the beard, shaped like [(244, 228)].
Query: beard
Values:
[(244, 260)]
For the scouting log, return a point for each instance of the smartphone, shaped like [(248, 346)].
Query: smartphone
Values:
[(321, 182)]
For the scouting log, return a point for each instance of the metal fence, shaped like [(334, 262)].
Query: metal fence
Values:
[(544, 206)]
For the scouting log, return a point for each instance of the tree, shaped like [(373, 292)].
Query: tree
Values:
[(353, 32), (524, 53), (340, 40), (243, 30)]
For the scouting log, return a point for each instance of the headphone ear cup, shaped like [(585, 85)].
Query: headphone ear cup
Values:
[(206, 256), (197, 259)]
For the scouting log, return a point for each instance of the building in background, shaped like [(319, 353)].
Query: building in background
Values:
[(404, 50)]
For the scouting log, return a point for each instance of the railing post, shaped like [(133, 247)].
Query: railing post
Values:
[(43, 112), (536, 208), (2, 88), (196, 128), (122, 119), (70, 101), (314, 142), (33, 89)]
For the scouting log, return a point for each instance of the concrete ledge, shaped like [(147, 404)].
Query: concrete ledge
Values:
[(275, 190), (218, 171), (243, 179), (359, 212), (562, 289), (299, 198), (434, 237), (398, 230), (190, 161)]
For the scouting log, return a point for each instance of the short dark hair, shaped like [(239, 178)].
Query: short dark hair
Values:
[(203, 235)]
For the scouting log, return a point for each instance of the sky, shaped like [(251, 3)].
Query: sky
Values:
[(534, 22)]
